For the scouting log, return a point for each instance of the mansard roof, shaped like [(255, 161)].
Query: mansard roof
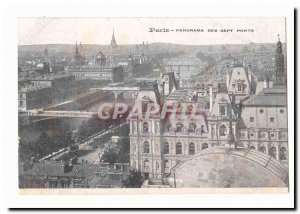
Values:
[(222, 98), (266, 100)]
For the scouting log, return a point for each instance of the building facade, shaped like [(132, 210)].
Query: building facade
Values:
[(236, 118), (34, 97)]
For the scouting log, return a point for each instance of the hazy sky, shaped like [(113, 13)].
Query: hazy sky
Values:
[(136, 30)]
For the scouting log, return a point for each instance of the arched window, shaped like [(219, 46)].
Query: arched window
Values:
[(167, 166), (272, 152), (283, 154), (146, 165), (202, 129), (204, 146), (223, 130), (166, 148), (190, 108), (145, 127), (222, 110), (146, 147), (262, 149), (169, 126), (191, 149), (144, 106), (192, 127), (240, 87), (179, 127), (178, 148), (133, 148), (145, 101), (252, 147)]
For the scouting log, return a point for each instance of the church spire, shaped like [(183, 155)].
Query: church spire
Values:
[(280, 76), (113, 42), (279, 45), (76, 51), (46, 52)]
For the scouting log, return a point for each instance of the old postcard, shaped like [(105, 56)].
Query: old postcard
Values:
[(152, 105)]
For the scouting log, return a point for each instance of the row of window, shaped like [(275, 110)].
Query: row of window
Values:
[(272, 119), (240, 88), (166, 148), (179, 127), (273, 152), (272, 135), (262, 111)]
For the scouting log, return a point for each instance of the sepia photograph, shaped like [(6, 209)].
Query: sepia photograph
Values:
[(153, 103)]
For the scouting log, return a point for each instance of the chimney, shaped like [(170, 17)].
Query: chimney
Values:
[(249, 73), (162, 87), (233, 98), (210, 96), (240, 110), (227, 80), (266, 82), (177, 75)]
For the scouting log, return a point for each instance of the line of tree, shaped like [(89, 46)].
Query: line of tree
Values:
[(56, 136)]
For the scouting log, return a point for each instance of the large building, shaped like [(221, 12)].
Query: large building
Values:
[(46, 90), (264, 115), (62, 86), (99, 69), (93, 71), (227, 115), (34, 97)]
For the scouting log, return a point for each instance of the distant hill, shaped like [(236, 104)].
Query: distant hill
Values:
[(94, 48)]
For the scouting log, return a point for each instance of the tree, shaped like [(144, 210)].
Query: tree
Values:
[(134, 180), (110, 156)]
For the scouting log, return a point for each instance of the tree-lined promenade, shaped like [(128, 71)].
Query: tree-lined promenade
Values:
[(54, 136)]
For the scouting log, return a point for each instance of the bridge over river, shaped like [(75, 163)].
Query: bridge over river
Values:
[(39, 115)]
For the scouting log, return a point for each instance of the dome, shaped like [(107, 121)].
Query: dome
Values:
[(220, 167)]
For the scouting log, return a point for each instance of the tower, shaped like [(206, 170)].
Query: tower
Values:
[(145, 133), (100, 59), (168, 83), (280, 76), (113, 42), (46, 52), (76, 50), (46, 55), (78, 58), (222, 119)]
